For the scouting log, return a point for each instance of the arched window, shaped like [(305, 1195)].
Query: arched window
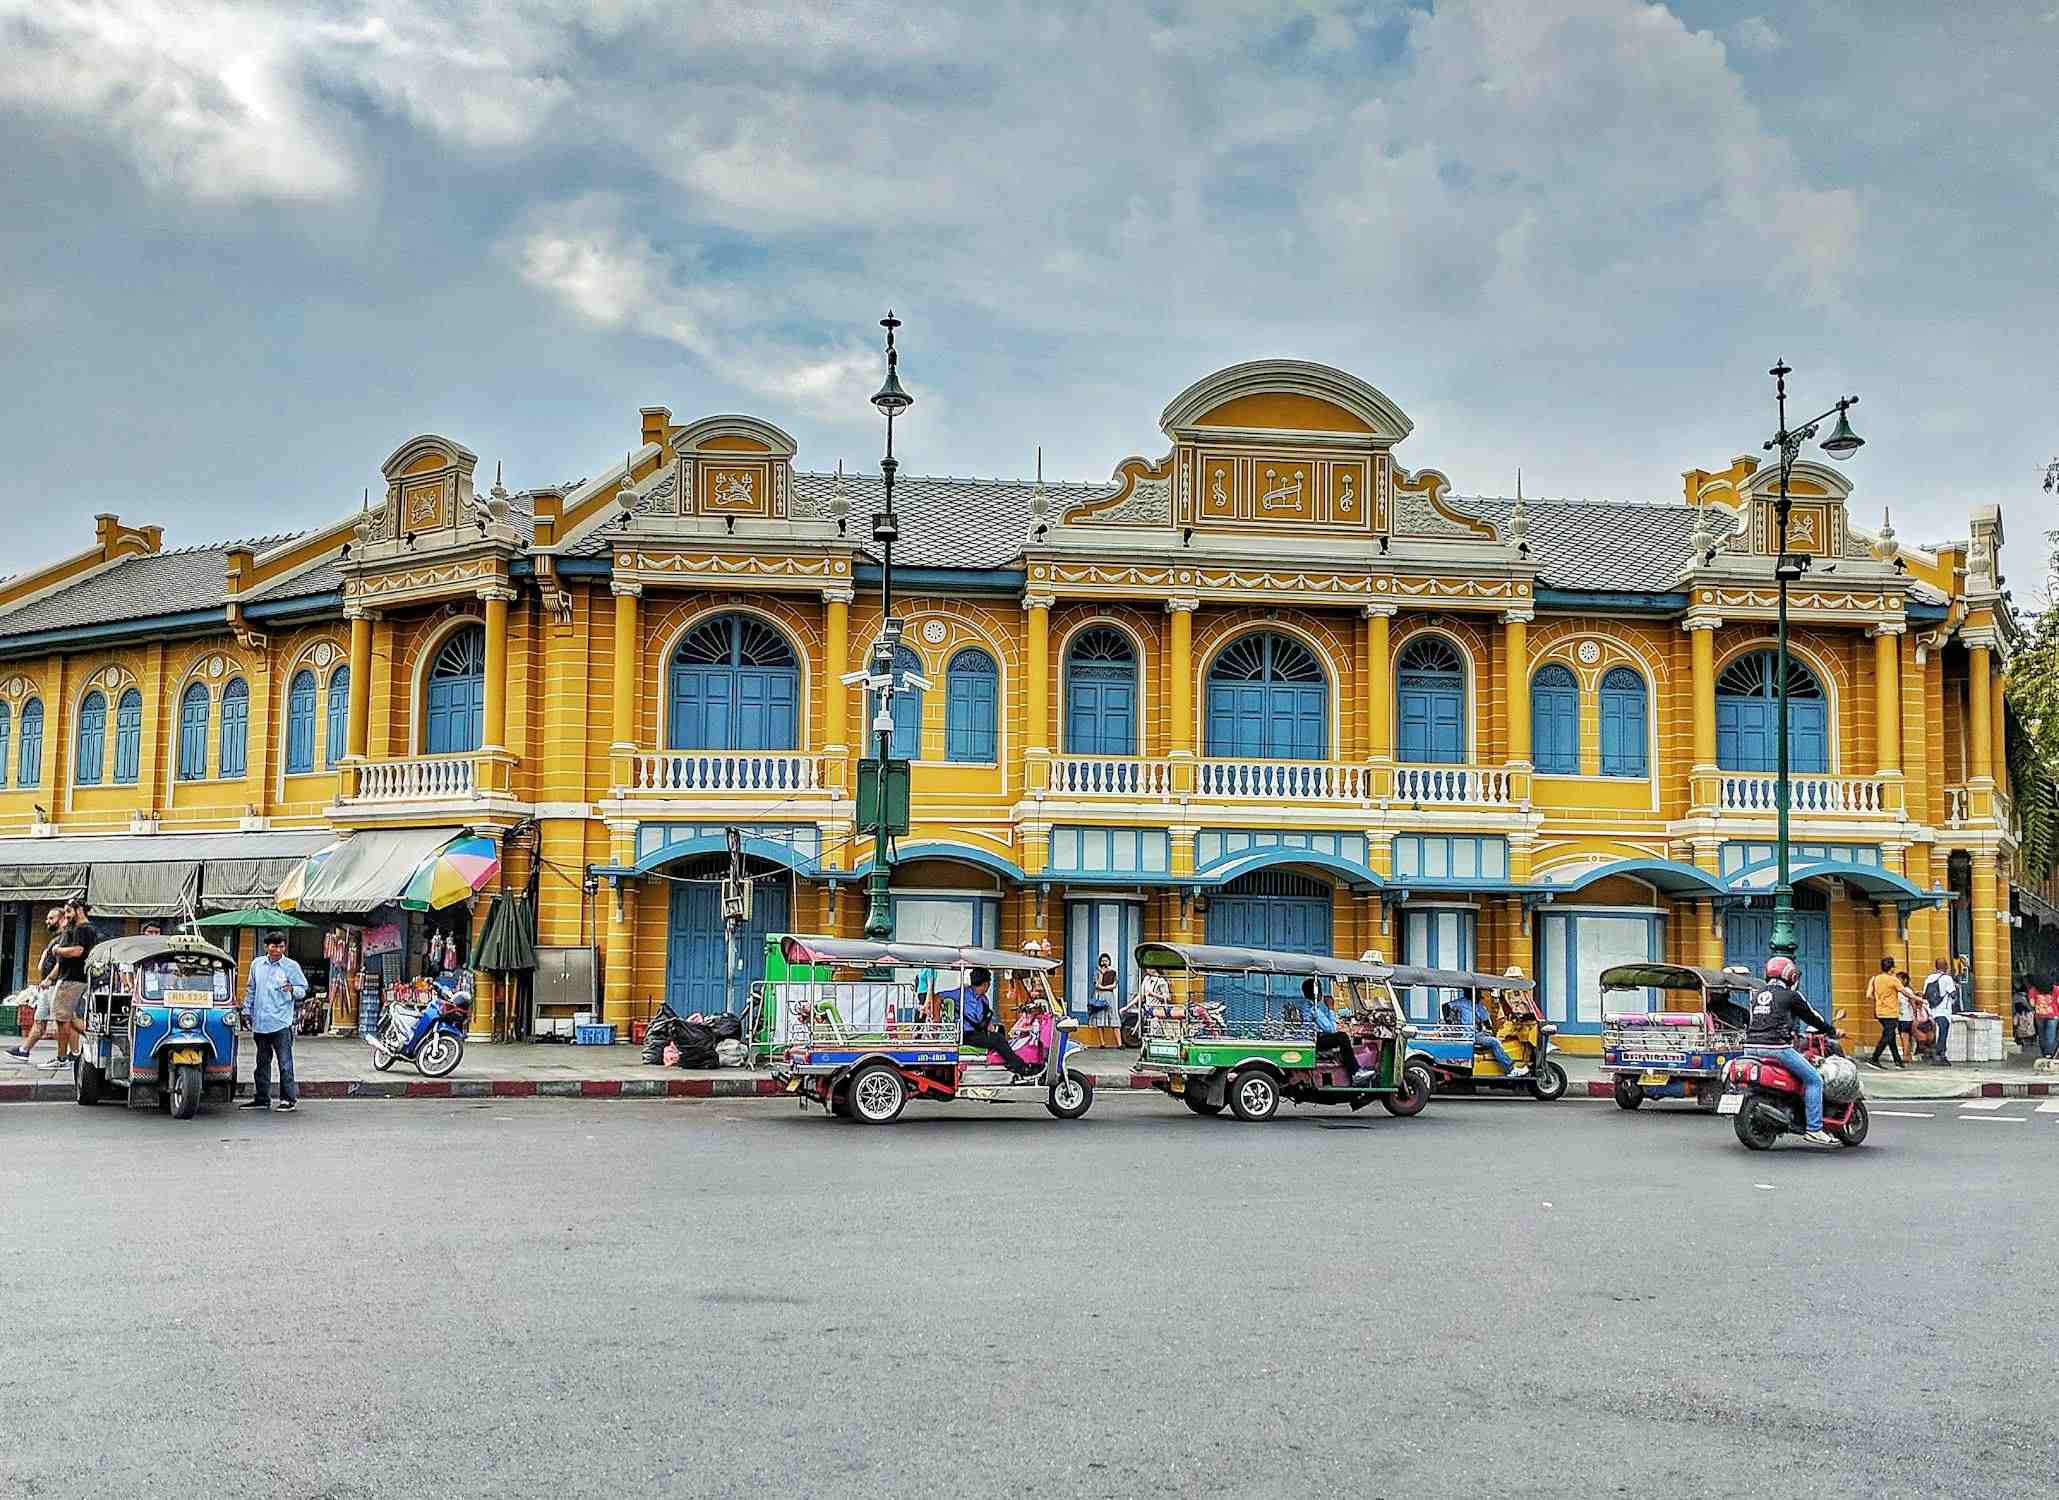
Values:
[(300, 724), (1747, 716), (733, 685), (1555, 721), (232, 756), (30, 765), (194, 710), (6, 733), (128, 738), (1267, 696), (454, 707), (91, 760), (338, 726), (969, 684), (906, 704), (1431, 687), (1101, 694), (1622, 724)]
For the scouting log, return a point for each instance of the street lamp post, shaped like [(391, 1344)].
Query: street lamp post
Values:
[(1788, 569), (891, 400)]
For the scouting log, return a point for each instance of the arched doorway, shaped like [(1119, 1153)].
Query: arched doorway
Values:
[(1274, 909), (696, 945), (1268, 698), (1101, 694), (1748, 716), (1430, 689), (454, 707), (733, 684)]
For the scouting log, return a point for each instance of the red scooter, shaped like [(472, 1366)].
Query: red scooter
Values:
[(1765, 1097)]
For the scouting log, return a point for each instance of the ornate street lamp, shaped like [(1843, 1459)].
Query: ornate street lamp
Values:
[(1788, 569), (891, 400)]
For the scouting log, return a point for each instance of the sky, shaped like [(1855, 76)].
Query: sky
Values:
[(247, 250)]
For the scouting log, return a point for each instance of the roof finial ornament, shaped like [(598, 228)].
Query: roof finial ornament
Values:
[(1040, 503), (840, 500), (1519, 519), (1889, 546)]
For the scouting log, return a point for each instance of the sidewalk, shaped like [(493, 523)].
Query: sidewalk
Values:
[(341, 1068)]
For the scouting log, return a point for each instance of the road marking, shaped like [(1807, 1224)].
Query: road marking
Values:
[(2049, 1107), (1764, 1187), (1983, 1104), (1997, 1119), (1908, 1114)]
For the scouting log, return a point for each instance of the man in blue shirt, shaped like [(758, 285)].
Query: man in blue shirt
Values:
[(1468, 1010), (1329, 1031), (271, 1004), (982, 1020)]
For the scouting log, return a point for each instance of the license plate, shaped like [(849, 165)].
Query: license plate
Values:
[(1730, 1104), (1653, 1080), (184, 1055)]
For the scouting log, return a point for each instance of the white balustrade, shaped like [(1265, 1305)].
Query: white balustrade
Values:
[(436, 779), (1453, 786), (1282, 781), (1808, 796), (1109, 776), (725, 773), (1958, 806)]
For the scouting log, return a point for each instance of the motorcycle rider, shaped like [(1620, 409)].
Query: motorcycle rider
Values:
[(1777, 1005)]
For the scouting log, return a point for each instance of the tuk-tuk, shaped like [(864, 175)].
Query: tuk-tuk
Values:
[(1461, 1050), (872, 1025), (160, 1024), (1194, 1051), (1673, 1054)]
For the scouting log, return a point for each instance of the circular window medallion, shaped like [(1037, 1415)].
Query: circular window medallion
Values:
[(934, 632), (1590, 653), (322, 654)]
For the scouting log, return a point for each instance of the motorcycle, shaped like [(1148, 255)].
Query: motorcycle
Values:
[(1765, 1098), (431, 1036)]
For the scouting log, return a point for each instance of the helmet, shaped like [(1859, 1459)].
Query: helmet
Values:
[(1782, 970)]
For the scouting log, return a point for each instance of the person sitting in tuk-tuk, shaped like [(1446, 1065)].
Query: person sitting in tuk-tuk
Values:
[(982, 1021), (1329, 1031), (1471, 1010)]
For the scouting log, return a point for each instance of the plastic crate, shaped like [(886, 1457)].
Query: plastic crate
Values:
[(594, 1036)]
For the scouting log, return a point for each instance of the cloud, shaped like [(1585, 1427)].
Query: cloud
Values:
[(1757, 34)]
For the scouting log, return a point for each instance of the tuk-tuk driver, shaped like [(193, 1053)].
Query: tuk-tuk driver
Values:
[(1471, 1010), (982, 1020), (1329, 1031)]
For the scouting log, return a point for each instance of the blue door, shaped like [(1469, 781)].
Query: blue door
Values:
[(1268, 699), (1748, 717), (1430, 691), (454, 710), (695, 946), (1273, 909), (1748, 940), (1101, 694), (734, 685)]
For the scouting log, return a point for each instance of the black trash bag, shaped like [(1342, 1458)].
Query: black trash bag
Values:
[(726, 1028), (696, 1045)]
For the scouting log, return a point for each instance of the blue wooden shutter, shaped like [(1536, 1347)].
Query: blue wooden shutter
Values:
[(128, 738), (91, 759), (193, 715), (1622, 724), (6, 726), (337, 730), (31, 763), (232, 755), (969, 707), (300, 724), (1555, 722)]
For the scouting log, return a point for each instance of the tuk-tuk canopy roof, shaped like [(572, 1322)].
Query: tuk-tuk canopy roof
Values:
[(1210, 958), (118, 952), (867, 954), (1674, 977), (1460, 979)]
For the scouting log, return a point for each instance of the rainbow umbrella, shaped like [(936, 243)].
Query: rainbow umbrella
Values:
[(451, 874), (295, 884)]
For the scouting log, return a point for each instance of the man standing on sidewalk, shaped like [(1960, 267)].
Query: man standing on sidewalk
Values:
[(271, 1003), (1941, 994), (67, 1008), (45, 991)]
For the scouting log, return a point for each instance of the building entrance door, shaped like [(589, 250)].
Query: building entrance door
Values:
[(1272, 909), (695, 945)]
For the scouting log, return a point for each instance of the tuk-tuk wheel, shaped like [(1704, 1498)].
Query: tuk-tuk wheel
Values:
[(878, 1094), (1408, 1100), (87, 1082), (1628, 1094), (185, 1091), (1254, 1096), (1549, 1083), (1199, 1105), (1070, 1097)]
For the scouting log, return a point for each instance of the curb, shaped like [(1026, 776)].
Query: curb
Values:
[(1598, 1089)]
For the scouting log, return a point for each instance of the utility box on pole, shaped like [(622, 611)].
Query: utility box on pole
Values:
[(868, 810)]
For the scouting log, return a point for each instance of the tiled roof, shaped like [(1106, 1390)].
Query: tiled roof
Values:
[(1605, 545), (324, 577), (162, 583)]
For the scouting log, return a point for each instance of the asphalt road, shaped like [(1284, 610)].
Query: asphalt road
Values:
[(728, 1298)]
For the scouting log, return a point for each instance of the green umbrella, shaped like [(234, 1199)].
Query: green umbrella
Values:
[(505, 946), (256, 916)]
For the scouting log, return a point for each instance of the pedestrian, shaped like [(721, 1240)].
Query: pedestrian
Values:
[(270, 1000), (44, 990), (1941, 994), (75, 940), (2044, 1008), (151, 929), (1107, 991), (1889, 1002)]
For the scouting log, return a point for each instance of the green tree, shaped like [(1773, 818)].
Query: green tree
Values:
[(2033, 727)]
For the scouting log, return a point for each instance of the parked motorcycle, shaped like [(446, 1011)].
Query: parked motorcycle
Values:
[(1765, 1097), (431, 1036)]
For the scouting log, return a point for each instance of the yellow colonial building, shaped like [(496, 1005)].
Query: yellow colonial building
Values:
[(1272, 686)]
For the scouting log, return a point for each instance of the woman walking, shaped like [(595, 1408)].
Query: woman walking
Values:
[(2044, 1004), (1890, 1002)]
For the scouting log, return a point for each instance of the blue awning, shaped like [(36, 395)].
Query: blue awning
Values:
[(964, 854), (1245, 861), (1872, 881), (772, 851), (1668, 876)]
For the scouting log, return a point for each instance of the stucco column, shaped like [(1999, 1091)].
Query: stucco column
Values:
[(1980, 708), (1887, 698), (618, 990), (1515, 640), (1990, 979), (1379, 683), (1037, 688), (1701, 634), (1998, 721), (360, 681), (836, 656), (496, 730), (1179, 673), (1708, 921), (628, 656)]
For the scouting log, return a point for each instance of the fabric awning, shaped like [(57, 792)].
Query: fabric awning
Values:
[(240, 884), (506, 946), (50, 869), (368, 869), (58, 882), (153, 888)]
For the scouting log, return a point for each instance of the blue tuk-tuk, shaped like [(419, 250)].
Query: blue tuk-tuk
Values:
[(160, 1024), (1483, 1019)]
